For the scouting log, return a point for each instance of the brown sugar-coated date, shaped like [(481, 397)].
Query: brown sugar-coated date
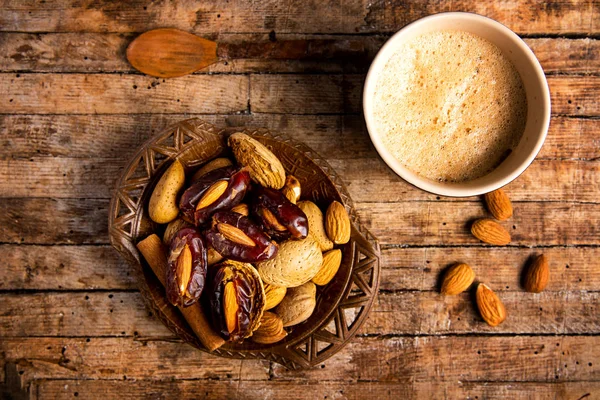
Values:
[(236, 237), (220, 189), (186, 271), (279, 217)]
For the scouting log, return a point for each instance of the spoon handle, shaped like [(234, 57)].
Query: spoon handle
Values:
[(312, 49)]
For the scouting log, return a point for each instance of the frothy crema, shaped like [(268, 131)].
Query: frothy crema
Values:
[(450, 106)]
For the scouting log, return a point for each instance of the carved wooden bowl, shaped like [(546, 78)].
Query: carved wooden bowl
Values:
[(342, 305)]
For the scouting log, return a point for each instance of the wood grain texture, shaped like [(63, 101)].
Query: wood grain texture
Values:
[(92, 314), (571, 268), (451, 359), (396, 359), (333, 136), (557, 16), (105, 94), (89, 389), (104, 52), (63, 267), (295, 94), (114, 358), (424, 223), (367, 179)]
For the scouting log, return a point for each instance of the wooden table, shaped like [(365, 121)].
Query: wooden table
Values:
[(72, 322)]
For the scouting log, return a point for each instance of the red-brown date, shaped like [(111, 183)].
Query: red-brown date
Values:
[(236, 237), (279, 217), (186, 270), (235, 299), (220, 189)]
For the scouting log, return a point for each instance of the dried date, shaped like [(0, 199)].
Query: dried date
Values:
[(236, 237), (235, 299), (278, 216), (220, 189), (186, 271)]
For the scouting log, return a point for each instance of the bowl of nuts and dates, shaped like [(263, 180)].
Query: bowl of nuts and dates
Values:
[(246, 243)]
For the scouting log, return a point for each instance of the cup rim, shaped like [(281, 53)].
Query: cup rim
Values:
[(446, 189)]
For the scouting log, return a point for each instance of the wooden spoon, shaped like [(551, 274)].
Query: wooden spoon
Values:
[(168, 53)]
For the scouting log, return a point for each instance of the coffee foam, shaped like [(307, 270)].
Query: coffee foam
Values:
[(450, 106)]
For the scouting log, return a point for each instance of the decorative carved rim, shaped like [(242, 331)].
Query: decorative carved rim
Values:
[(307, 348)]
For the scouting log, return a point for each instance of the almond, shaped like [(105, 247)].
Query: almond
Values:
[(271, 219), (184, 269), (292, 189), (270, 329), (331, 263), (537, 275), (298, 304), (490, 307), (264, 167), (211, 166), (458, 278), (230, 306), (499, 204), (316, 226), (213, 256), (235, 234), (337, 223), (212, 194), (241, 209), (489, 231), (273, 295)]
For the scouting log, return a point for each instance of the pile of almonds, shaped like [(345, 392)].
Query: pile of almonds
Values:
[(243, 244), (459, 277)]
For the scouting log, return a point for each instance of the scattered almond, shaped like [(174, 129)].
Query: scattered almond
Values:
[(331, 263), (537, 275), (490, 307), (458, 278), (489, 231), (499, 204), (184, 269)]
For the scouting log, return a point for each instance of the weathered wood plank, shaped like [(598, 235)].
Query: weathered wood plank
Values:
[(116, 358), (78, 314), (366, 178), (489, 358), (405, 313), (84, 221), (532, 17), (435, 223), (64, 267), (105, 52), (528, 16), (333, 136), (68, 267), (571, 269), (306, 94), (105, 94), (296, 94), (54, 221), (91, 389), (405, 359)]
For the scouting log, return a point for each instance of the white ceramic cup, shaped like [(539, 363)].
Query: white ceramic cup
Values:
[(534, 81)]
